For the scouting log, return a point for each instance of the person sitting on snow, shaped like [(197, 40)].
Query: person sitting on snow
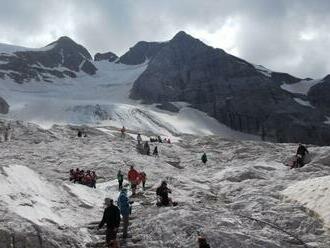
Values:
[(162, 192), (133, 178), (72, 175), (111, 217), (301, 153), (93, 176)]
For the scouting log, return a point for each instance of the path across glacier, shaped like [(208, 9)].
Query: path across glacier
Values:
[(240, 178)]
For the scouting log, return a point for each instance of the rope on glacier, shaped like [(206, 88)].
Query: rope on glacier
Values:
[(275, 227)]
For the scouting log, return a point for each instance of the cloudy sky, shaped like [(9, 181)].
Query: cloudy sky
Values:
[(284, 35)]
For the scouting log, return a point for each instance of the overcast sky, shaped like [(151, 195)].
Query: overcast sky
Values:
[(284, 35)]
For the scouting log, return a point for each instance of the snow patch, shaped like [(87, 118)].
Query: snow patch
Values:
[(302, 87), (303, 102), (312, 194), (263, 70)]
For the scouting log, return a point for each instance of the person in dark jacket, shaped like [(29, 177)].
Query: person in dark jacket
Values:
[(120, 178), (163, 191), (111, 217), (204, 158), (301, 153), (202, 243), (155, 152)]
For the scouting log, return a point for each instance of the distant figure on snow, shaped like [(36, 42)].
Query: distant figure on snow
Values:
[(155, 152), (120, 178), (139, 138), (7, 132), (159, 139), (204, 158), (123, 130), (79, 133), (301, 153), (111, 217)]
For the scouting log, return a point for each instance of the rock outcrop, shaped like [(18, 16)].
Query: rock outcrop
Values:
[(141, 52), (4, 107), (109, 56), (62, 58), (230, 90), (318, 95)]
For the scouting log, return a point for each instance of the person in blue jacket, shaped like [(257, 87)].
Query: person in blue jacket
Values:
[(125, 209)]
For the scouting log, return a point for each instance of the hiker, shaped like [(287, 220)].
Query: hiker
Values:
[(146, 148), (155, 152), (93, 182), (7, 133), (111, 217), (133, 178), (125, 209), (76, 175), (120, 178), (301, 153), (202, 243), (204, 158), (79, 134), (143, 178), (72, 175), (123, 130), (168, 141), (159, 139), (139, 139), (163, 191)]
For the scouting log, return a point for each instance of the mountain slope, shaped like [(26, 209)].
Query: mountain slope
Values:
[(229, 89), (62, 58)]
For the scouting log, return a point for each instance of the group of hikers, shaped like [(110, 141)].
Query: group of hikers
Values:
[(87, 178), (145, 148)]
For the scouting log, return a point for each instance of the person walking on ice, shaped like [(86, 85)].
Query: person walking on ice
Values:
[(139, 139), (111, 217), (133, 178), (125, 210), (120, 178), (123, 131), (204, 158)]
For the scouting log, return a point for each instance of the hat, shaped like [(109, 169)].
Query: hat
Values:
[(108, 201)]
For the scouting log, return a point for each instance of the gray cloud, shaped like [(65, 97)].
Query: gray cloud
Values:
[(290, 36)]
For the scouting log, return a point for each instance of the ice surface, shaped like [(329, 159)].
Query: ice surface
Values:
[(241, 178), (312, 194)]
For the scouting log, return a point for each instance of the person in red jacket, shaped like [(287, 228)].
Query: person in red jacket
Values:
[(133, 178)]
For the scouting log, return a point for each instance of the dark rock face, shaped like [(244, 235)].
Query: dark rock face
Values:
[(318, 95), (111, 57), (279, 77), (140, 52), (230, 90), (59, 59), (4, 107)]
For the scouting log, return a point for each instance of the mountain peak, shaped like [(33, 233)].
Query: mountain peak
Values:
[(181, 35)]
